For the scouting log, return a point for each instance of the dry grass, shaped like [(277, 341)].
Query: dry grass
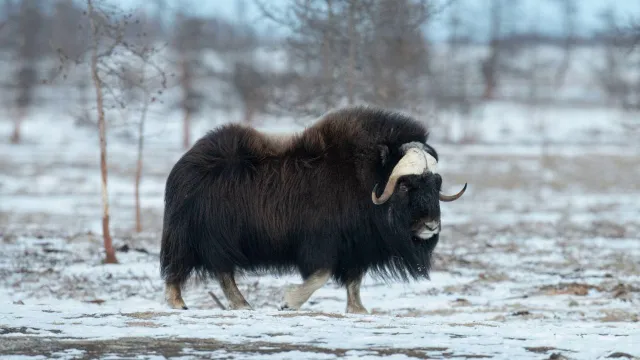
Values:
[(309, 314), (135, 347), (617, 315), (148, 324), (568, 289), (147, 315)]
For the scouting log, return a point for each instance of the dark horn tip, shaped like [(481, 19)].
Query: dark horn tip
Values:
[(449, 198)]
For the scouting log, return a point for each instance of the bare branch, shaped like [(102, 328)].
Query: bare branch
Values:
[(215, 298)]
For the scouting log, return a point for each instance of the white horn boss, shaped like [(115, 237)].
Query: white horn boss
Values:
[(415, 161)]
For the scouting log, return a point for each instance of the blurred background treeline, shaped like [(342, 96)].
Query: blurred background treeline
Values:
[(262, 59)]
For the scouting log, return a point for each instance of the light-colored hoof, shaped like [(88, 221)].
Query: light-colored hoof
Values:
[(239, 307), (291, 298), (287, 307), (357, 310), (177, 304)]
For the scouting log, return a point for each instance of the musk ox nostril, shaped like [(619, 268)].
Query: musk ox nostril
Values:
[(432, 225)]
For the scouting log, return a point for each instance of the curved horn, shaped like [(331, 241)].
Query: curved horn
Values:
[(414, 162), (449, 198)]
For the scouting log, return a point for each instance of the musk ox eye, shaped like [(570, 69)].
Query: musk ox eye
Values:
[(403, 187)]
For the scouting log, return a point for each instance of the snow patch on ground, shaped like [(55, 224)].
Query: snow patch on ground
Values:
[(539, 257)]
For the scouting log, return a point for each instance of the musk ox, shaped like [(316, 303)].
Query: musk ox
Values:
[(357, 191)]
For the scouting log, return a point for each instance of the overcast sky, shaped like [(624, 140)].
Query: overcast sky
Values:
[(544, 14)]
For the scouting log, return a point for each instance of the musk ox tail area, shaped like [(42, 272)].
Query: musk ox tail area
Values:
[(199, 232), (180, 241)]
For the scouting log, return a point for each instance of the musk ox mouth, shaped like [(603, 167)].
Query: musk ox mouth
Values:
[(426, 231)]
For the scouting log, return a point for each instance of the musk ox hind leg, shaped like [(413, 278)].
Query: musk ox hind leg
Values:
[(232, 293), (173, 295), (354, 303), (296, 295)]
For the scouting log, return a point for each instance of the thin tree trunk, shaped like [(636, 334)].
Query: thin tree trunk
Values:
[(568, 8), (186, 129), (248, 113), (186, 121), (17, 126), (327, 56), (563, 68), (490, 66), (110, 254), (352, 53), (140, 163)]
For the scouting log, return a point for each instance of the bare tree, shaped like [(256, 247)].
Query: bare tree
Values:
[(151, 82), (452, 84), (569, 10), (628, 39), (122, 73), (10, 12), (395, 52), (328, 51), (491, 63), (352, 7), (142, 81), (139, 159), (108, 28), (98, 29), (249, 77), (188, 33), (250, 85), (532, 71), (338, 46), (635, 33), (314, 45), (611, 74), (27, 77)]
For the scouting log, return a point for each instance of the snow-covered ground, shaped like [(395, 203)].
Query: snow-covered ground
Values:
[(539, 259)]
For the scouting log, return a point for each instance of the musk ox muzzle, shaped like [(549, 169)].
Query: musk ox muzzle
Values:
[(415, 161)]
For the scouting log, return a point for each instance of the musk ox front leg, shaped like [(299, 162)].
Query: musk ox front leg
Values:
[(354, 303), (296, 295), (232, 293)]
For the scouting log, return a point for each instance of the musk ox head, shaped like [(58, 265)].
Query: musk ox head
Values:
[(413, 188)]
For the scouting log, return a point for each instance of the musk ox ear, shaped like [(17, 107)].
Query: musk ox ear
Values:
[(383, 150)]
